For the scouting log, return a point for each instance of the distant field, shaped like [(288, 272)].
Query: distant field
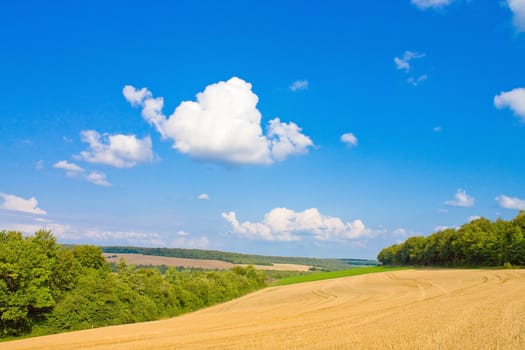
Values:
[(409, 309), (139, 259)]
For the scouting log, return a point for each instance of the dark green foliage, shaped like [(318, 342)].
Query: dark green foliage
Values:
[(45, 288), (478, 243), (237, 258)]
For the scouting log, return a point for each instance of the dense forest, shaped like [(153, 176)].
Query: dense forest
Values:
[(47, 288), (238, 258), (478, 243)]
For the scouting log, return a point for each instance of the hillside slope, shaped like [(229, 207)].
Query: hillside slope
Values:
[(410, 309)]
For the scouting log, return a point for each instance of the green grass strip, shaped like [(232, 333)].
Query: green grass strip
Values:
[(335, 274)]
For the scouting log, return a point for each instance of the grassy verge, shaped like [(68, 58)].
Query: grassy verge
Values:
[(335, 274)]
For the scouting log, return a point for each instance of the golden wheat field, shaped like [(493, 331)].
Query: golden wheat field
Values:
[(410, 309)]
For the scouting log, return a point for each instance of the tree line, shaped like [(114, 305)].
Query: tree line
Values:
[(47, 288), (478, 243)]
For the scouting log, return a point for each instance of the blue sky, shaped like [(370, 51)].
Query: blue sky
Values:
[(327, 129)]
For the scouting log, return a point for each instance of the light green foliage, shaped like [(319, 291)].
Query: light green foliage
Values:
[(90, 257), (29, 286), (478, 243), (45, 288)]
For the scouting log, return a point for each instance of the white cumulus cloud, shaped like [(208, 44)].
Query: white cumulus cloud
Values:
[(15, 203), (223, 124), (518, 10), (349, 138), (434, 4), (299, 85), (120, 151), (461, 199), (513, 99), (281, 224), (511, 202), (287, 139), (203, 196)]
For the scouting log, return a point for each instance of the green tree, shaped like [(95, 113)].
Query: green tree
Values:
[(478, 243), (91, 257), (28, 286)]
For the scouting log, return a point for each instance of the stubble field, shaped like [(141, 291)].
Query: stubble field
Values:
[(409, 309), (139, 259)]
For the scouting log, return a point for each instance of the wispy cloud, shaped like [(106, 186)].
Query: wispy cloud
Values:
[(431, 4), (40, 165), (416, 81), (71, 169), (437, 129), (74, 170), (98, 178), (193, 243), (125, 237), (299, 85), (403, 63), (400, 232), (60, 231)]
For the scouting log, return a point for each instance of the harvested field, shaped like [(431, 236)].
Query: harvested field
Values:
[(409, 309), (139, 259)]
